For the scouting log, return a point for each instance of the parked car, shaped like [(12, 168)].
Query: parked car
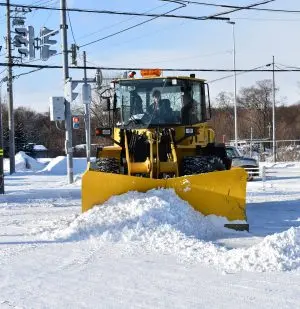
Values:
[(250, 164)]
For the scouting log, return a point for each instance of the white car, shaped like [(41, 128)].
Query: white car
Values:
[(250, 164)]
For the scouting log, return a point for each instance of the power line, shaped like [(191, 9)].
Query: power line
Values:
[(267, 19), (107, 12), (72, 32), (235, 7), (29, 72), (289, 66), (128, 28), (128, 19), (240, 7), (230, 76), (2, 64)]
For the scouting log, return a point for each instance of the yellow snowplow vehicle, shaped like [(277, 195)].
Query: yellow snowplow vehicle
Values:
[(161, 139)]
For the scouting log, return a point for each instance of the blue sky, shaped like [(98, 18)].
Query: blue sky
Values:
[(168, 43)]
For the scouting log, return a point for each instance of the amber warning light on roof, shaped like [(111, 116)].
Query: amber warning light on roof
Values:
[(151, 72)]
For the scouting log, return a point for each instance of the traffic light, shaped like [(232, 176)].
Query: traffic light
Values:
[(25, 36), (46, 42), (74, 49), (75, 122), (69, 90), (98, 79)]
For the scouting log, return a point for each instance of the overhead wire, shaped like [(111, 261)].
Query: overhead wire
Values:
[(71, 27), (233, 7), (131, 27), (140, 68), (239, 7), (50, 14), (121, 22), (156, 16), (288, 66), (26, 73), (230, 76)]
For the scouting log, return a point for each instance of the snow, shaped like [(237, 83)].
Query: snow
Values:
[(58, 166), (23, 162), (39, 148), (143, 250)]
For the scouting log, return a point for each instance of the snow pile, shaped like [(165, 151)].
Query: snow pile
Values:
[(160, 221), (58, 166), (138, 216), (280, 251), (23, 162), (39, 148)]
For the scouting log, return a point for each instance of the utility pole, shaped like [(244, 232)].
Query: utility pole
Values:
[(11, 123), (251, 138), (87, 118), (1, 141), (68, 122), (273, 114)]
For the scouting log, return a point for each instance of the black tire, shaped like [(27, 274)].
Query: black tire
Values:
[(202, 164), (108, 165)]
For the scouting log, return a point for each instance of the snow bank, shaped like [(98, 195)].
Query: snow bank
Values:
[(160, 221), (23, 162), (58, 166)]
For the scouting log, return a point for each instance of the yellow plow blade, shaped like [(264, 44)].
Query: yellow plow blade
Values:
[(98, 187), (219, 193), (216, 193)]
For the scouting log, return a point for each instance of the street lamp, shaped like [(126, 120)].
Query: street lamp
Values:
[(235, 101), (273, 109)]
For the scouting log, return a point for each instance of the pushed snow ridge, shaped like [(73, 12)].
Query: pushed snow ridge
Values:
[(161, 222)]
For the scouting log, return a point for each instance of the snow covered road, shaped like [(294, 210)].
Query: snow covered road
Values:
[(145, 250)]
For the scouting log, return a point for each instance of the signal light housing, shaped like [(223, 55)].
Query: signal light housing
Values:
[(76, 123), (104, 132)]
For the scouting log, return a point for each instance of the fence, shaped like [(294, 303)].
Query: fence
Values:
[(262, 150), (267, 172)]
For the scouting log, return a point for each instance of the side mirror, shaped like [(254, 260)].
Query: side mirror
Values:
[(106, 104), (115, 101), (208, 114)]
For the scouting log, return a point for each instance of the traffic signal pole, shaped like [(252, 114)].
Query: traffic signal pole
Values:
[(68, 121), (11, 122)]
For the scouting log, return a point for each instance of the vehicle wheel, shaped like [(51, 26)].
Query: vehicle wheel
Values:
[(200, 165), (108, 165)]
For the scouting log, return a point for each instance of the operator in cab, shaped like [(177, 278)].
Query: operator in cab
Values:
[(160, 110)]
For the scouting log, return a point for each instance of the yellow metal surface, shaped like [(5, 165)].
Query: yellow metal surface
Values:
[(98, 187), (220, 193), (110, 152)]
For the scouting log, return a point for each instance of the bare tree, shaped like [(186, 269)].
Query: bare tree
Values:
[(255, 104)]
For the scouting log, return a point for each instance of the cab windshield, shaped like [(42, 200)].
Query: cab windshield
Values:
[(160, 101)]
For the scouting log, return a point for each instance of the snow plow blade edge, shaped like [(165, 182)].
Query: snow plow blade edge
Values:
[(219, 193)]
